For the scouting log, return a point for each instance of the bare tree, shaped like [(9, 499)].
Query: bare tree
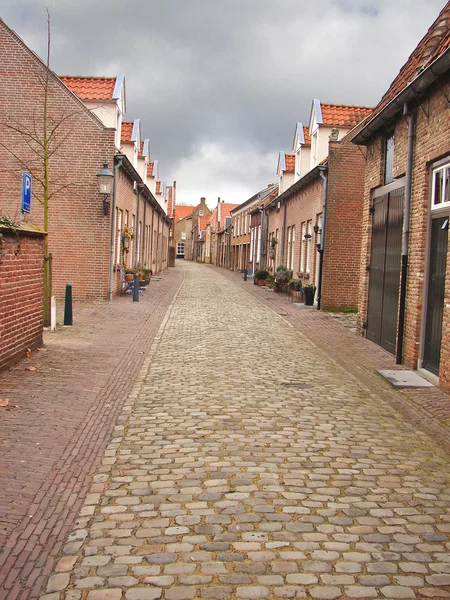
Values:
[(42, 136)]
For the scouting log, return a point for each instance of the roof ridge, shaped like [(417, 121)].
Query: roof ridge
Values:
[(347, 105), (88, 76)]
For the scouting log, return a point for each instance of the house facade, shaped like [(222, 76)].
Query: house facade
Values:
[(84, 236), (404, 273), (314, 224)]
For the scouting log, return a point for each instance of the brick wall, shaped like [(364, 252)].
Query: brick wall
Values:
[(79, 233), (432, 142), (21, 290), (343, 232)]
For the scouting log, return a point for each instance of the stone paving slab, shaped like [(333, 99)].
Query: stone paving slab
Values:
[(60, 420), (222, 482)]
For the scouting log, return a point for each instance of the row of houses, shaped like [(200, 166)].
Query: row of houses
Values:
[(69, 133), (361, 211), (87, 129)]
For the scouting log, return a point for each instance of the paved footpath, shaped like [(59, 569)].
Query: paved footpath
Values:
[(59, 422), (247, 464)]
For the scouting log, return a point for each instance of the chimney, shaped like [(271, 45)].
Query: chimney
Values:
[(174, 194), (219, 213), (203, 201)]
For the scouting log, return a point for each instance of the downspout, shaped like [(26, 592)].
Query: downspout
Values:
[(137, 254), (151, 240), (157, 247), (283, 234), (144, 231), (322, 236), (113, 231), (405, 238)]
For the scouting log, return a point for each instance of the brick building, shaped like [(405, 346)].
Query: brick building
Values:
[(314, 224), (88, 112), (21, 291), (404, 276)]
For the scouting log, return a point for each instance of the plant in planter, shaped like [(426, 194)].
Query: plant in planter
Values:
[(270, 281), (295, 288), (282, 278), (308, 292), (129, 274), (260, 276)]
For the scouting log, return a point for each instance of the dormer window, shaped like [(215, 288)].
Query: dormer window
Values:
[(389, 159), (315, 148)]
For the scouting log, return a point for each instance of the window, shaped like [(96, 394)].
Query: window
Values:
[(389, 159), (289, 242), (440, 193), (303, 248), (291, 266), (258, 247), (183, 235), (119, 216), (308, 246), (201, 213), (252, 241)]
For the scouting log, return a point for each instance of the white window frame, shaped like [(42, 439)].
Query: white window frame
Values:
[(288, 253), (291, 266), (258, 247), (445, 168), (308, 247), (303, 248), (119, 218), (252, 240), (183, 235)]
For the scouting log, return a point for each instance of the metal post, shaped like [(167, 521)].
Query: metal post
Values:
[(68, 314), (136, 288), (245, 274)]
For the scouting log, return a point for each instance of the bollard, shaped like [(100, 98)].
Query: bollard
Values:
[(245, 274), (68, 315), (136, 288)]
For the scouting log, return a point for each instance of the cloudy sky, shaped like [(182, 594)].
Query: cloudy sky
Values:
[(220, 84)]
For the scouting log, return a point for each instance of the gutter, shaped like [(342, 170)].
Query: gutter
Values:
[(117, 166), (322, 235), (405, 238), (411, 92)]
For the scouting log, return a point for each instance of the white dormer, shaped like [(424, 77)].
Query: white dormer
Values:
[(143, 160), (136, 138), (302, 150), (119, 96), (285, 171)]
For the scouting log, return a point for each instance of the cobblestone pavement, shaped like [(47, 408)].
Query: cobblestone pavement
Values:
[(59, 422), (248, 464)]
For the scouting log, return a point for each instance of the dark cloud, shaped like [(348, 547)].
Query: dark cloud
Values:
[(220, 84)]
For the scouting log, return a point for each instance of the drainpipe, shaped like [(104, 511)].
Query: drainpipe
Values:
[(144, 236), (151, 240), (405, 239), (137, 254), (113, 230), (283, 233), (322, 236)]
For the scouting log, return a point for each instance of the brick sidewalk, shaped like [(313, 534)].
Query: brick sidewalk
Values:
[(428, 408), (60, 421)]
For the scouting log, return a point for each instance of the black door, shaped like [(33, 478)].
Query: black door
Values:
[(436, 290), (384, 281)]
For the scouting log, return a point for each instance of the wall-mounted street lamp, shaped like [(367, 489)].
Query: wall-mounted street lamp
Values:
[(316, 229), (105, 181)]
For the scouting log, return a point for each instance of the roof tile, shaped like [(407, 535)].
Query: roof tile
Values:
[(306, 136), (342, 115), (90, 88), (290, 163), (127, 129)]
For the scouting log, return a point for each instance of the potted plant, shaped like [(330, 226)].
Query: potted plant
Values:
[(308, 292), (295, 287), (129, 274), (127, 236), (282, 277), (270, 281), (260, 276)]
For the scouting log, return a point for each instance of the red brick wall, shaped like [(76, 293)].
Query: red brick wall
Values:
[(343, 231), (432, 142), (79, 233), (21, 290)]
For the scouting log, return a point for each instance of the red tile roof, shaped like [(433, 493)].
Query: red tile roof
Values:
[(181, 212), (150, 169), (158, 187), (290, 163), (204, 221), (140, 155), (341, 115), (127, 130), (90, 88), (435, 42), (306, 136)]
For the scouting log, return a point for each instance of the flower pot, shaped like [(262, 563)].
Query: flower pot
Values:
[(261, 282), (309, 296), (129, 277)]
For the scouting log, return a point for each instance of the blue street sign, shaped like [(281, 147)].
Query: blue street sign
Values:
[(26, 192)]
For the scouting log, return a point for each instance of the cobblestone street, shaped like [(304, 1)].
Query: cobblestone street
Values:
[(247, 464)]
